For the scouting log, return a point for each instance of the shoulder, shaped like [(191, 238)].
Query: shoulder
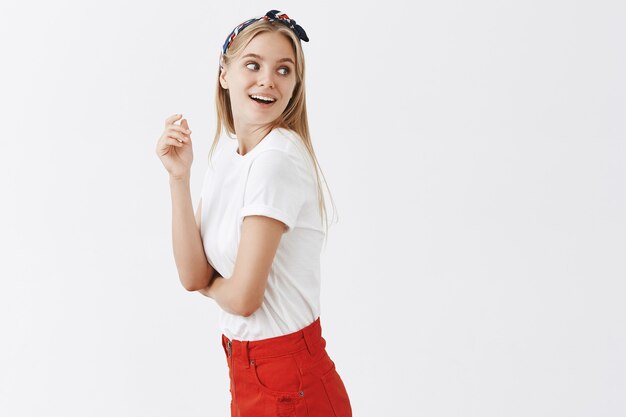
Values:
[(286, 145), (273, 162)]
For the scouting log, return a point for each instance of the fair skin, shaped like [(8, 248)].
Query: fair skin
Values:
[(269, 72)]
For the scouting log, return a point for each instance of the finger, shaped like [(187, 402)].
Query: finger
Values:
[(167, 142), (174, 142), (178, 136), (184, 124), (172, 119), (179, 129)]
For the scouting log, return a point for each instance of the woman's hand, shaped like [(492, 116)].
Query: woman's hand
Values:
[(174, 147)]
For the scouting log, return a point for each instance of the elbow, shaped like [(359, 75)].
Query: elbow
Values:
[(197, 278), (247, 313), (192, 288), (249, 308), (194, 284), (244, 301)]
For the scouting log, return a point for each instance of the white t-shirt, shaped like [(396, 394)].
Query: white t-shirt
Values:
[(276, 178)]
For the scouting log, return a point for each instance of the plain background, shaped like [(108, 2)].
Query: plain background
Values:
[(476, 154)]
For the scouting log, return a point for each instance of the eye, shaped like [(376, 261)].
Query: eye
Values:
[(254, 64)]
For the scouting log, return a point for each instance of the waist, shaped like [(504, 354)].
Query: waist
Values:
[(274, 318), (309, 337)]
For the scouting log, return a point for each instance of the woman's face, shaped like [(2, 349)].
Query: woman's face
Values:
[(265, 68)]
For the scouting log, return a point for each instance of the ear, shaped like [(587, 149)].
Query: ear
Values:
[(223, 81)]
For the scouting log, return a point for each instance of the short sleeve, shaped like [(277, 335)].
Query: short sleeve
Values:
[(273, 188)]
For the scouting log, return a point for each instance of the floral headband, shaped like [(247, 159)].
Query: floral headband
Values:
[(272, 15)]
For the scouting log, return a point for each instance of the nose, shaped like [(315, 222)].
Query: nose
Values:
[(266, 79)]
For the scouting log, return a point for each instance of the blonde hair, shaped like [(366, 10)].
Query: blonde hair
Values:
[(294, 117)]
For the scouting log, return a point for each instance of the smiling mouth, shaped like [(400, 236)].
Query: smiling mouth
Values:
[(262, 101)]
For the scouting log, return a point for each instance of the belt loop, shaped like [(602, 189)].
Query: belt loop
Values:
[(224, 344), (312, 342), (246, 354)]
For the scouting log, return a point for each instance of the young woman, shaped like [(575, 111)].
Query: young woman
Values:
[(255, 244)]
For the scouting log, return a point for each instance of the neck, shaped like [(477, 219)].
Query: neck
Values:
[(249, 136)]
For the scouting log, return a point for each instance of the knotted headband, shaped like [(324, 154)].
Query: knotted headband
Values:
[(272, 15)]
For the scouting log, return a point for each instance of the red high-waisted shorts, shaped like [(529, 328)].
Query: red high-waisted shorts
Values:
[(289, 375)]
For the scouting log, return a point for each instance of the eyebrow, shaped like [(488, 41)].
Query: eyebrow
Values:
[(259, 57)]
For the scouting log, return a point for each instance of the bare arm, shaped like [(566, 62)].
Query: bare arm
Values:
[(225, 295), (243, 293), (194, 270)]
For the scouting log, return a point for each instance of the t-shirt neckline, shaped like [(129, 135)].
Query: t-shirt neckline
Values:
[(256, 147)]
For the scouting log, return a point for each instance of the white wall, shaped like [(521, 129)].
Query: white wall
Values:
[(476, 152)]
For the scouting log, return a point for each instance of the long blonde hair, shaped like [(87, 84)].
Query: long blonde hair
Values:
[(294, 117)]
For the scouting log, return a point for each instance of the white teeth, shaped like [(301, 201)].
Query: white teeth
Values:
[(269, 99)]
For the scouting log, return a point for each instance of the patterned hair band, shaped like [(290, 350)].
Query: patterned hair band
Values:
[(272, 15)]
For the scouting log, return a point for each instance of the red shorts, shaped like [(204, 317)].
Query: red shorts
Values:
[(289, 375)]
